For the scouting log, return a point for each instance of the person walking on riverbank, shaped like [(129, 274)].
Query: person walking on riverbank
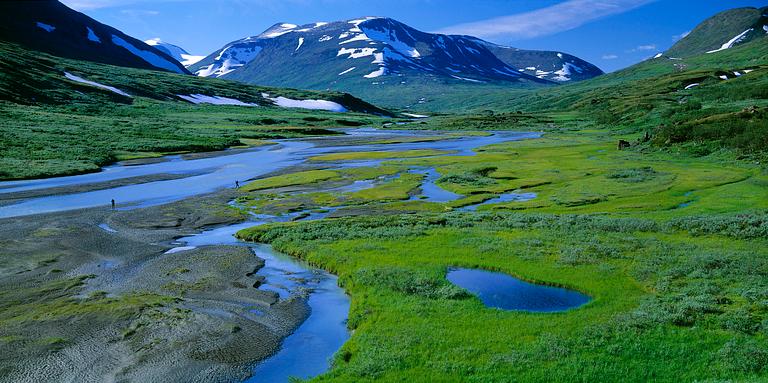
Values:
[(113, 204)]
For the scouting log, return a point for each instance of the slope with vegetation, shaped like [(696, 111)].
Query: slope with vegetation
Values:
[(699, 104), (47, 110)]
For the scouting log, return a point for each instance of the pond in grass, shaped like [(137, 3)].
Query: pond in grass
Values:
[(505, 292)]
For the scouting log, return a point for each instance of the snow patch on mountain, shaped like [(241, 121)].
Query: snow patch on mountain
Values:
[(358, 37), (95, 84), (566, 72), (45, 27), (92, 35), (377, 73), (230, 58), (325, 38), (730, 43), (278, 30), (147, 56), (467, 79), (306, 104), (174, 51), (390, 37), (188, 60), (214, 100), (301, 42), (356, 53), (347, 71)]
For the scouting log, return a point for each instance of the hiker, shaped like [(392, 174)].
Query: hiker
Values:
[(237, 184), (113, 204)]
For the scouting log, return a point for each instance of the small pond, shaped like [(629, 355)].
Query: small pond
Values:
[(503, 291)]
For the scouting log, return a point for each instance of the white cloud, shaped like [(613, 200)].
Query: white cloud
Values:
[(84, 5), (681, 36), (648, 47), (139, 12), (561, 17), (610, 57)]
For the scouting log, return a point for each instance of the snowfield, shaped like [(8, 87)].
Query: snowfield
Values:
[(229, 59), (214, 100), (306, 104), (730, 43), (96, 84), (174, 51), (45, 27), (356, 53), (147, 56), (278, 30), (377, 73), (565, 73), (92, 35), (390, 37)]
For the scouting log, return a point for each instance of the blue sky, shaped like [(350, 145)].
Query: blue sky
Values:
[(612, 34)]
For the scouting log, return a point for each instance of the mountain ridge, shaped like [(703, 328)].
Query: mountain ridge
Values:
[(51, 27), (371, 51)]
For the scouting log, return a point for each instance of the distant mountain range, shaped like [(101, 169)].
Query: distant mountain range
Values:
[(49, 26), (376, 58), (378, 51)]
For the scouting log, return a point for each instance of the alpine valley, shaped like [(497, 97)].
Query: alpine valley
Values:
[(360, 201)]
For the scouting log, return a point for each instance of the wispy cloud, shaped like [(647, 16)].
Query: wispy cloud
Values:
[(84, 5), (610, 57), (139, 12), (560, 17), (647, 47), (681, 36)]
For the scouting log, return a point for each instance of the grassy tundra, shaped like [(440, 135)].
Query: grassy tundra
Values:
[(672, 249)]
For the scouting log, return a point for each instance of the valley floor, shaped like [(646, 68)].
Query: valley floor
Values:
[(671, 249)]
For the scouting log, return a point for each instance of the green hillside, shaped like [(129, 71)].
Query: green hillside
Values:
[(721, 28), (648, 97), (45, 116)]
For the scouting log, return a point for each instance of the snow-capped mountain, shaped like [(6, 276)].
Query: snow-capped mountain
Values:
[(376, 51), (174, 51), (548, 65), (723, 31), (51, 27)]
